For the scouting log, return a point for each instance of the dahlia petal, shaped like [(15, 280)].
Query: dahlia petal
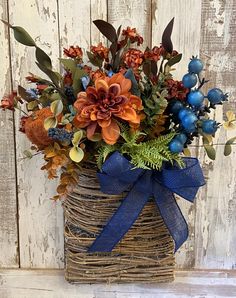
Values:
[(128, 114), (104, 123), (125, 84), (82, 94), (101, 84), (136, 102), (91, 94), (111, 133), (114, 89), (91, 129)]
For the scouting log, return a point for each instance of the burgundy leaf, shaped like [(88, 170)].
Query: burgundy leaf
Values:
[(106, 29), (113, 49), (153, 67), (118, 31), (166, 37), (147, 68)]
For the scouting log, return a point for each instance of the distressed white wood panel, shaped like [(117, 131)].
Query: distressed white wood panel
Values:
[(98, 11), (8, 200), (132, 13), (186, 40), (51, 283), (40, 219), (216, 205), (74, 23)]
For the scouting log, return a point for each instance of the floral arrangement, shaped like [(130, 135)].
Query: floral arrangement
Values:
[(118, 98)]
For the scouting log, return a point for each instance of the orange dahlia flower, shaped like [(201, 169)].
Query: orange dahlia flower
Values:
[(100, 106)]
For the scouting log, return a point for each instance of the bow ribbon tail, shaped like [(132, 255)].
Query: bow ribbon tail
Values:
[(171, 214), (123, 218)]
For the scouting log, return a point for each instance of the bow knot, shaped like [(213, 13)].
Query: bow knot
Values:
[(119, 175)]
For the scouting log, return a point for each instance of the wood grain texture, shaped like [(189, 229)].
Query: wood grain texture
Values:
[(51, 283), (216, 204), (186, 40), (8, 202), (40, 220), (132, 13), (74, 23), (208, 26)]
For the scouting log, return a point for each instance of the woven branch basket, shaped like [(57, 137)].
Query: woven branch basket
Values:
[(145, 254)]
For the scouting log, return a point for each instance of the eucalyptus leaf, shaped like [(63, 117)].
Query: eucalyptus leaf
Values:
[(228, 148), (78, 135), (32, 105), (43, 58), (69, 64), (50, 122), (211, 153), (76, 154), (77, 84), (56, 107), (28, 154), (94, 60), (23, 37), (51, 74)]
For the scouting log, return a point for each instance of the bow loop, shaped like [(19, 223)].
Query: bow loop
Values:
[(118, 175)]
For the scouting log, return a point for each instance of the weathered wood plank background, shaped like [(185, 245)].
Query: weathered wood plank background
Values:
[(31, 226)]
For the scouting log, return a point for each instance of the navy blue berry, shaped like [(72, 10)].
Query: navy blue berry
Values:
[(195, 98), (209, 126), (189, 80), (189, 120), (191, 128), (183, 112), (181, 137), (216, 95), (176, 106), (195, 66), (176, 146)]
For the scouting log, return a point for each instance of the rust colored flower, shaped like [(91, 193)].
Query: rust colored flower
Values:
[(34, 128), (68, 81), (133, 58), (41, 87), (32, 78), (132, 35), (100, 51), (73, 52), (153, 54), (8, 101), (98, 74), (87, 69), (176, 90), (23, 120), (100, 106)]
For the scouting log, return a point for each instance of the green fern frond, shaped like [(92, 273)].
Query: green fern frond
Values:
[(103, 153), (151, 154)]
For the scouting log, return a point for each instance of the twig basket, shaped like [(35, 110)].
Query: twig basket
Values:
[(145, 254)]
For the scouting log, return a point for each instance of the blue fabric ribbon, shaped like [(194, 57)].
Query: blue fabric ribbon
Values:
[(118, 175)]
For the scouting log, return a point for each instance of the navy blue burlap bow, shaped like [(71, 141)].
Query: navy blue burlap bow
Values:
[(118, 175)]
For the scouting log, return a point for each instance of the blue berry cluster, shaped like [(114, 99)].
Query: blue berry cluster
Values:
[(60, 134), (69, 92), (189, 116)]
